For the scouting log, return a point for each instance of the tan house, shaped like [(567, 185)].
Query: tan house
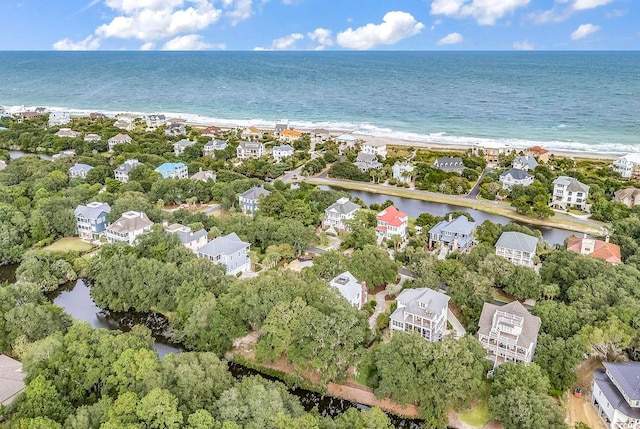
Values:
[(127, 229), (491, 150), (538, 152), (67, 133), (630, 196), (289, 136), (251, 133)]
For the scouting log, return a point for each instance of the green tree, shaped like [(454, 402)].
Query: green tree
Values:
[(159, 410)]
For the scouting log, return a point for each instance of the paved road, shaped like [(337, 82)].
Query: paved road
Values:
[(476, 189), (381, 306), (315, 250)]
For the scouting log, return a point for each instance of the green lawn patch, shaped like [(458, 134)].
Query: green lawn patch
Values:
[(478, 416), (67, 244)]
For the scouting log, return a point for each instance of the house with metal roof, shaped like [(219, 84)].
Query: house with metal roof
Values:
[(128, 227), (91, 220), (229, 251), (508, 333), (59, 118), (190, 239), (351, 289), (249, 200), (524, 162), (421, 310), (212, 145), (282, 151), (515, 176), (366, 162), (517, 247), (569, 192), (175, 129), (615, 394), (11, 380), (181, 145), (449, 164), (173, 170), (121, 173), (79, 171), (338, 213), (454, 234)]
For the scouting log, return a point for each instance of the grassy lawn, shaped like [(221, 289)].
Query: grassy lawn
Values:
[(67, 244), (478, 416)]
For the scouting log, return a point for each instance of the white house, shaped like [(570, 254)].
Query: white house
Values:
[(280, 127), (129, 227), (124, 124), (392, 222), (92, 138), (251, 133), (175, 129), (173, 170), (320, 135), (568, 192), (211, 146), (422, 310), (449, 164), (118, 139), (524, 162), (249, 200), (155, 121), (508, 333), (247, 150), (515, 176), (491, 150), (191, 240), (204, 176), (79, 170), (121, 173), (517, 247), (57, 119), (367, 161), (229, 251), (351, 289), (181, 145), (91, 220), (375, 148), (628, 166), (282, 151), (615, 394), (338, 213), (401, 171)]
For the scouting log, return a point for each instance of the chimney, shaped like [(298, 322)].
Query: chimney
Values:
[(450, 217), (606, 238)]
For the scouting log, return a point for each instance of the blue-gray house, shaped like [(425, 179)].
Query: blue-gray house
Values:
[(456, 234), (91, 220)]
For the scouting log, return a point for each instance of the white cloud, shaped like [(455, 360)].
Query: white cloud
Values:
[(589, 4), (189, 42), (283, 43), (241, 10), (583, 31), (321, 36), (485, 12), (89, 44), (559, 13), (524, 45), (451, 39), (395, 26), (616, 13), (148, 46)]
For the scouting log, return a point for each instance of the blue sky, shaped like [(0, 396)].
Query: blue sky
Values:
[(320, 24)]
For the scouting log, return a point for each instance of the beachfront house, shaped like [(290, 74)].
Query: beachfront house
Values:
[(338, 213), (57, 119), (91, 220), (449, 164), (453, 234), (630, 196), (251, 133), (11, 380), (515, 176), (92, 138), (508, 333), (402, 171), (320, 135), (351, 289), (25, 116), (204, 176), (524, 162), (124, 124), (67, 133), (598, 249), (173, 170), (118, 139), (249, 201), (121, 173), (422, 310), (346, 141), (79, 171), (229, 251), (128, 227), (279, 128), (376, 148), (615, 394), (282, 151), (211, 131), (391, 222), (191, 240), (175, 129), (211, 146), (538, 152), (491, 150), (366, 162), (517, 247), (181, 145), (569, 192), (248, 150), (289, 136), (155, 121), (628, 166)]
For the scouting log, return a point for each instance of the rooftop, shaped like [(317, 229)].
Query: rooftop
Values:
[(130, 221), (11, 379), (518, 241), (530, 323), (225, 245)]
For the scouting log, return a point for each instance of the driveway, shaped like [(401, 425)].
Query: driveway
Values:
[(455, 323), (381, 306), (476, 189)]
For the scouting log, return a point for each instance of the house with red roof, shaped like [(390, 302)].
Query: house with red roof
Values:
[(538, 152), (392, 221), (595, 248)]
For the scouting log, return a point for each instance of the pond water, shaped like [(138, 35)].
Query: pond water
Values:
[(415, 208), (14, 154), (77, 302)]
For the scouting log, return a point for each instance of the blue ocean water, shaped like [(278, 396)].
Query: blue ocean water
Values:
[(588, 101)]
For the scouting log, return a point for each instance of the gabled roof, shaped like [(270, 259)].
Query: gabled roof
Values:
[(526, 160), (516, 173), (80, 167), (392, 216), (11, 379), (292, 133), (572, 184), (633, 158), (204, 175), (283, 148), (601, 249), (347, 284), (126, 166), (255, 193), (530, 325), (538, 150), (250, 145), (120, 138), (130, 221), (184, 143), (225, 245), (460, 226), (518, 241), (629, 192), (627, 376), (613, 395), (368, 158), (185, 234), (422, 301), (375, 144), (343, 206), (92, 210), (211, 130), (215, 143)]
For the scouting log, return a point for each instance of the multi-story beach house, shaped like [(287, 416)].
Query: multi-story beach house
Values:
[(517, 247), (515, 176), (118, 139), (248, 150), (191, 240), (320, 135), (204, 176), (598, 249), (181, 145), (366, 162), (251, 133), (57, 119), (524, 162), (91, 220), (351, 289), (92, 138), (391, 222), (401, 171), (422, 310), (508, 333), (67, 133), (491, 150), (280, 127), (630, 196), (615, 394), (628, 166), (282, 151), (229, 251), (289, 136), (173, 170), (79, 171), (376, 148), (175, 129), (449, 164), (128, 228), (569, 192), (121, 173), (211, 131), (249, 201), (538, 152), (211, 146), (338, 213), (125, 124), (11, 380), (453, 234), (155, 121), (25, 116)]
